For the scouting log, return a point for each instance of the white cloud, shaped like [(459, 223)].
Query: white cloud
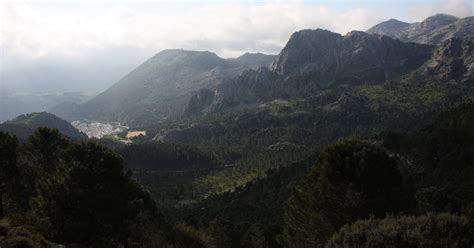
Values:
[(103, 35), (228, 29), (459, 8)]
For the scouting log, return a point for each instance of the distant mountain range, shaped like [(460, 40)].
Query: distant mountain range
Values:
[(314, 60), (180, 84), (14, 105), (433, 30), (161, 87)]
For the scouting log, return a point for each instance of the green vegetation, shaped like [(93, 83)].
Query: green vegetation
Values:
[(352, 180), (339, 143), (392, 173), (248, 143), (430, 230), (290, 186), (25, 125), (56, 191)]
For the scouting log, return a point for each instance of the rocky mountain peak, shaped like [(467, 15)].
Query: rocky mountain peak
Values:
[(327, 52), (461, 28), (433, 30), (255, 59), (438, 20), (161, 87), (392, 28), (170, 57), (305, 45), (359, 36)]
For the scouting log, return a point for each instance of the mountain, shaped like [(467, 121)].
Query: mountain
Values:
[(392, 28), (24, 125), (255, 132), (161, 87), (14, 105), (461, 28), (453, 60), (312, 61), (433, 30), (430, 24), (450, 136)]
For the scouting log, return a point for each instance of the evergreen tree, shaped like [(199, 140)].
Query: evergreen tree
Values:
[(352, 180), (8, 167)]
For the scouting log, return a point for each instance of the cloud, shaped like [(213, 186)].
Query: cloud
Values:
[(110, 34), (228, 29), (459, 8)]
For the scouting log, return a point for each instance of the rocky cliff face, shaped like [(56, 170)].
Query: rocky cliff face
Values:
[(306, 46), (416, 31), (453, 60), (330, 58), (459, 29), (316, 59)]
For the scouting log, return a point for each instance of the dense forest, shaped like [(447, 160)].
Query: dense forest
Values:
[(403, 189)]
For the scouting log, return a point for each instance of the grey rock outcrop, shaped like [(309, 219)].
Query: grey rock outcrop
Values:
[(433, 30), (316, 59)]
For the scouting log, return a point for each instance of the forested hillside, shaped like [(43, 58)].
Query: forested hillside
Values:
[(357, 140), (374, 178), (24, 125)]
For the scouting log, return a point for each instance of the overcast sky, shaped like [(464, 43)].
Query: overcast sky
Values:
[(91, 43)]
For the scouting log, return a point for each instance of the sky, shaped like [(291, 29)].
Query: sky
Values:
[(87, 45)]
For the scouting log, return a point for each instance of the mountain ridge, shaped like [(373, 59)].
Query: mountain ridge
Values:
[(177, 83), (433, 30), (317, 59), (159, 88)]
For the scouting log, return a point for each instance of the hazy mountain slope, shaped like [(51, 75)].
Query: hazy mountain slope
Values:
[(24, 125), (14, 105), (159, 88), (433, 30), (313, 60)]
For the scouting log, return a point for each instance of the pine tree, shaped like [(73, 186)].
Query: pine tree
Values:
[(352, 180)]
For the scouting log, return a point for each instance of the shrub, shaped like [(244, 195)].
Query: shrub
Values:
[(430, 230)]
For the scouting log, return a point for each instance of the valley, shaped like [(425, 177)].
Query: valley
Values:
[(363, 139)]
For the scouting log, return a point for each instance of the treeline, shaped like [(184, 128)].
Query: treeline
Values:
[(250, 142), (321, 119), (154, 156), (393, 189), (57, 192), (178, 174), (279, 133)]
